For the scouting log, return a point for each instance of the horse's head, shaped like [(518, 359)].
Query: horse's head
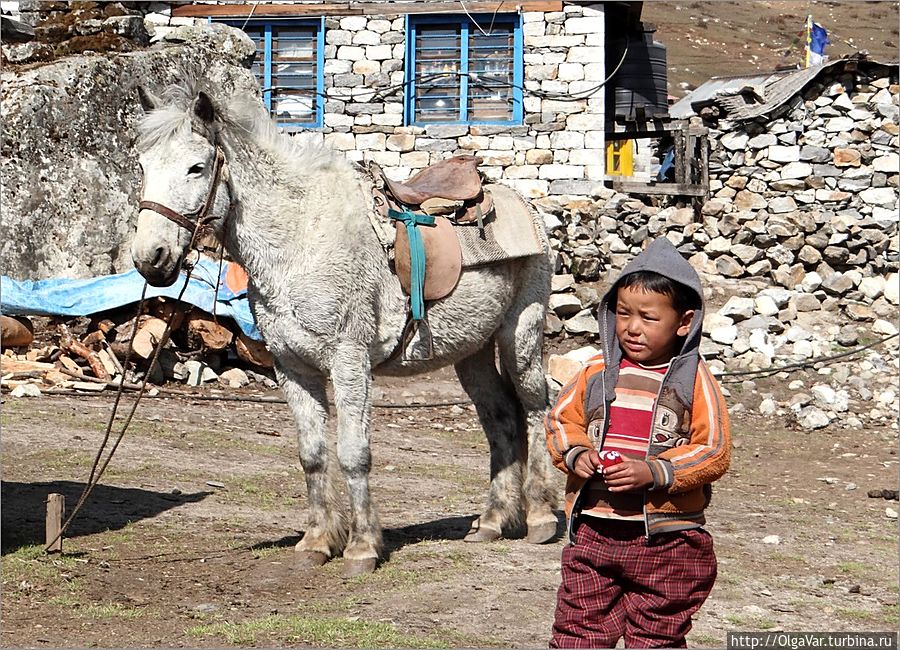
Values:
[(185, 185)]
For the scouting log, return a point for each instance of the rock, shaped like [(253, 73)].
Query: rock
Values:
[(824, 394), (199, 373), (884, 197), (890, 513), (768, 407), (26, 390), (762, 141), (892, 288), (90, 106), (811, 281), (729, 267), (860, 312), (552, 324), (804, 302), (747, 200), (889, 164), (770, 539), (560, 366), (582, 323), (884, 328), (734, 141), (782, 204), (564, 305), (796, 170), (848, 336), (759, 341), (837, 284), (780, 296), (724, 334), (872, 287), (815, 154), (813, 418), (846, 157), (766, 306), (738, 308), (562, 282), (235, 378), (778, 153)]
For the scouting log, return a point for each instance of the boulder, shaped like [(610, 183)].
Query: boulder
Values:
[(69, 165)]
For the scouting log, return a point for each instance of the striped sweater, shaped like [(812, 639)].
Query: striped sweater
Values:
[(630, 420)]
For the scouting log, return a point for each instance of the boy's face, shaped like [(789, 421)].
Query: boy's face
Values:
[(648, 327)]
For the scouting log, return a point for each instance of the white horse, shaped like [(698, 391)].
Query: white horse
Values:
[(324, 297)]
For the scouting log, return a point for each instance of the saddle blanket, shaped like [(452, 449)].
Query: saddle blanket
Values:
[(512, 229)]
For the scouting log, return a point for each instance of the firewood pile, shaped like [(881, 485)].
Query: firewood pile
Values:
[(88, 354)]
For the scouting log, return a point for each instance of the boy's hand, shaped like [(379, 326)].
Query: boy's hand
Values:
[(630, 474), (587, 463)]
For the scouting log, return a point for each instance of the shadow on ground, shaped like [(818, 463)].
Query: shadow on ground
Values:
[(23, 516)]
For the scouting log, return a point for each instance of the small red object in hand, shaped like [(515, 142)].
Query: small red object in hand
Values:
[(610, 458)]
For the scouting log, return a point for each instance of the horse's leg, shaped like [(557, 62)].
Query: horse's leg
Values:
[(495, 404), (520, 341), (326, 531), (351, 378)]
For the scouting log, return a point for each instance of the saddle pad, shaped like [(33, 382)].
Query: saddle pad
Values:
[(514, 231)]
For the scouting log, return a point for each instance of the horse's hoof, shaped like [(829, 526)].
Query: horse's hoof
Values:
[(311, 558), (481, 533), (541, 533), (363, 566)]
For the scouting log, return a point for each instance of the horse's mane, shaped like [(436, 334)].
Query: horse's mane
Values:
[(241, 116)]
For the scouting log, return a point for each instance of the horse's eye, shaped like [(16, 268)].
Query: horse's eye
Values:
[(195, 169)]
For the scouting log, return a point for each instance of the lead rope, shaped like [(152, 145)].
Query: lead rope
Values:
[(95, 475)]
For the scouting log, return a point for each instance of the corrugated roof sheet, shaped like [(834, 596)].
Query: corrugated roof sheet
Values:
[(744, 97)]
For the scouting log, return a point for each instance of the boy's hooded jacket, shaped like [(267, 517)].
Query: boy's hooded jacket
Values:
[(690, 446)]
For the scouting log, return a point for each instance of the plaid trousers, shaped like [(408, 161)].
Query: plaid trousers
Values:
[(616, 582)]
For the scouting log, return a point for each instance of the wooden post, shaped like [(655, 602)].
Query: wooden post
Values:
[(56, 505)]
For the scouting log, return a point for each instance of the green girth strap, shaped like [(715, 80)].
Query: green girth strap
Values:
[(412, 221)]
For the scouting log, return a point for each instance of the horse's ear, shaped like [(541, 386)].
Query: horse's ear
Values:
[(204, 107), (148, 100)]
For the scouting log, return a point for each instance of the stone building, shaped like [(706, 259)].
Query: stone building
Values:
[(409, 83)]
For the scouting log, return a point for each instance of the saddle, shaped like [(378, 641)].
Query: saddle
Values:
[(435, 199)]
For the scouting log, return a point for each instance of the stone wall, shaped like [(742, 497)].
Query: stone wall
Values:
[(804, 202)]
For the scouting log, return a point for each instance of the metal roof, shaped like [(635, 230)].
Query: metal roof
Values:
[(744, 97)]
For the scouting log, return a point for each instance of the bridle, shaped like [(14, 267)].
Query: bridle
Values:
[(195, 220)]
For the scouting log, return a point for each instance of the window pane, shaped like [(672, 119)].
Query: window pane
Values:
[(294, 74), (438, 59), (491, 68), (258, 69)]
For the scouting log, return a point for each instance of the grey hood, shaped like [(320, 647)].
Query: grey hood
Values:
[(663, 258)]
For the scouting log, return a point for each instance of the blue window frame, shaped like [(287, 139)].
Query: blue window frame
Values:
[(460, 71), (289, 66)]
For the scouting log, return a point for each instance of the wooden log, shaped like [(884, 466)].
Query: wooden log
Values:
[(56, 505), (70, 344), (204, 332), (8, 365), (150, 334), (254, 352), (69, 364), (15, 331), (93, 339), (107, 361), (165, 310)]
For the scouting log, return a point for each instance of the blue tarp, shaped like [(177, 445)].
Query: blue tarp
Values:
[(74, 297)]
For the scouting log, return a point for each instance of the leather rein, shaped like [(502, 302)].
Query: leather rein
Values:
[(195, 220)]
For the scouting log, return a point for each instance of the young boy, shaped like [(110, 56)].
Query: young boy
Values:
[(638, 562)]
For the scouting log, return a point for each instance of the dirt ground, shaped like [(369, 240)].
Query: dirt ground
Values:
[(189, 540)]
